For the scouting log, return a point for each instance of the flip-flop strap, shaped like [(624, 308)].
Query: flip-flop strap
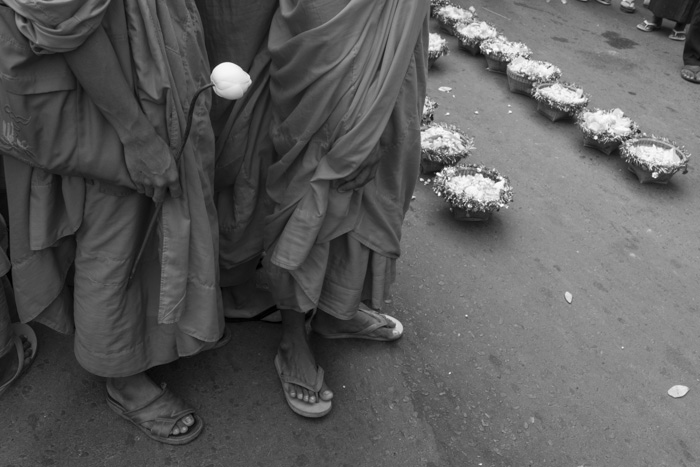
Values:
[(317, 384), (164, 411), (382, 321)]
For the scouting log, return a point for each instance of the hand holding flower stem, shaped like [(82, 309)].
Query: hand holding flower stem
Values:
[(230, 82)]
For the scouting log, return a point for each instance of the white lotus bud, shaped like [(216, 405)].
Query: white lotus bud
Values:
[(230, 81)]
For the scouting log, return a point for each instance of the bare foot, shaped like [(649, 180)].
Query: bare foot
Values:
[(365, 318), (134, 392), (297, 360)]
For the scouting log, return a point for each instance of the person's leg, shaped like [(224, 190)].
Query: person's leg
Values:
[(110, 312), (354, 273), (295, 357), (691, 51)]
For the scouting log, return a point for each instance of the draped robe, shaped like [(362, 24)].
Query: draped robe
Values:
[(92, 221), (348, 79)]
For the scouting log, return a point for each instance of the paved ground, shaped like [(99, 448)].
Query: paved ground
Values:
[(496, 368)]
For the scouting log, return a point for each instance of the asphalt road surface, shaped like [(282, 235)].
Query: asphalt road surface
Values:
[(496, 368)]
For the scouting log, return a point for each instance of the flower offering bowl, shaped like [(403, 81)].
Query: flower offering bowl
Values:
[(654, 171)]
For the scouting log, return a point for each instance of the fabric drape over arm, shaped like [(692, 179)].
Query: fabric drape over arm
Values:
[(337, 69), (57, 26)]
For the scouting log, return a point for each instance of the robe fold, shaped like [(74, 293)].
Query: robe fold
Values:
[(78, 218), (348, 79)]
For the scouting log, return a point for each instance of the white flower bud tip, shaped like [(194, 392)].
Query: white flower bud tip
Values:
[(230, 81)]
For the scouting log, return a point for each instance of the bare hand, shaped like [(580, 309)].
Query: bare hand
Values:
[(152, 167)]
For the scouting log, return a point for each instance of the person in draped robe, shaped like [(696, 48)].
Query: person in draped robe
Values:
[(347, 87), (93, 102), (237, 31)]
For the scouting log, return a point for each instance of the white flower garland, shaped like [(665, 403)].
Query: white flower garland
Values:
[(501, 49), (606, 126), (473, 188), (534, 70), (475, 32), (561, 96), (655, 155), (437, 46), (450, 15), (445, 143)]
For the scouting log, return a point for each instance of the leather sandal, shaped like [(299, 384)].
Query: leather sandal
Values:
[(163, 411)]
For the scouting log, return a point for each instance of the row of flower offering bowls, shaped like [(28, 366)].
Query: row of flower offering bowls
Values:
[(473, 191), (443, 145), (437, 47), (449, 16)]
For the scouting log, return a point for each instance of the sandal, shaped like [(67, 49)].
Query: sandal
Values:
[(677, 35), (164, 411), (604, 2), (21, 331), (691, 73), (305, 409), (627, 6), (380, 321), (648, 26)]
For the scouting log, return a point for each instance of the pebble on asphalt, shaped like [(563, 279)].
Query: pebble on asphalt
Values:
[(678, 391)]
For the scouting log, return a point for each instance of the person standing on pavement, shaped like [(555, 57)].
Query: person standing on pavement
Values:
[(93, 97), (679, 11), (691, 51), (347, 83)]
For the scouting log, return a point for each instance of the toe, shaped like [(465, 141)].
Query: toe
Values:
[(325, 394), (290, 389)]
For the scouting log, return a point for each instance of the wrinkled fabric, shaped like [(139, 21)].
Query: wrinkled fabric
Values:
[(680, 11), (173, 306), (236, 31), (6, 334), (347, 79), (334, 80), (691, 49), (56, 26)]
